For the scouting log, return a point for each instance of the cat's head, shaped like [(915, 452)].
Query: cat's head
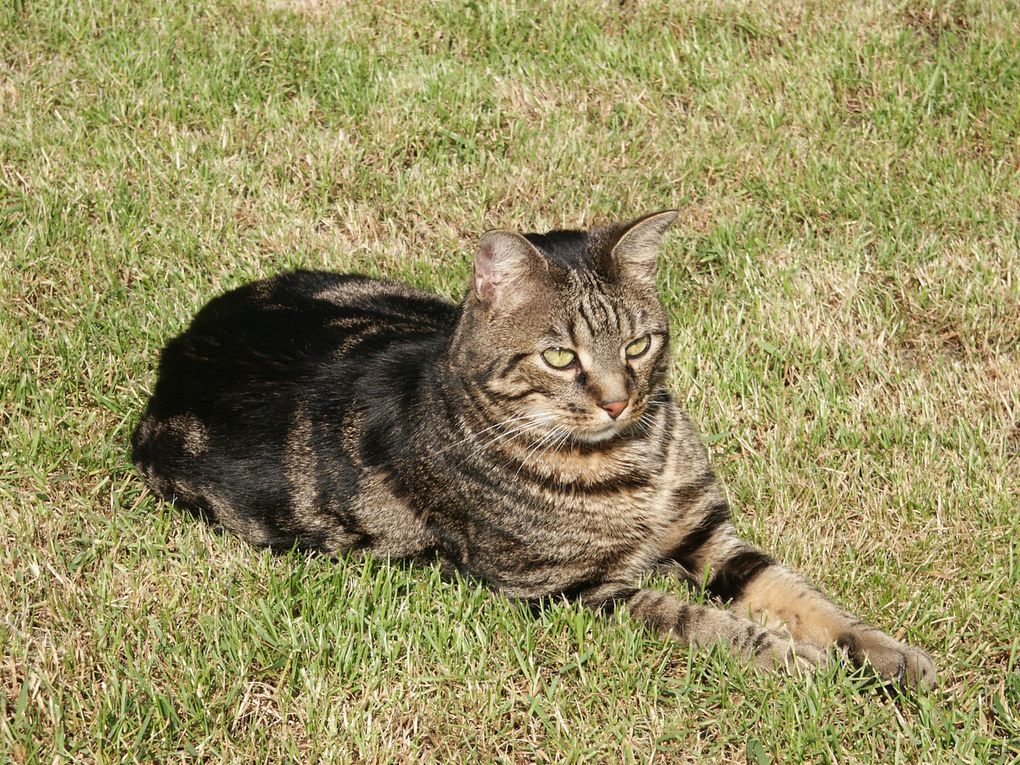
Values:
[(565, 331)]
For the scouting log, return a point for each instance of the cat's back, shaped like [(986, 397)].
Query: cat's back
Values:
[(300, 346), (282, 332)]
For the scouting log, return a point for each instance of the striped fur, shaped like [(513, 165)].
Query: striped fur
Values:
[(341, 413)]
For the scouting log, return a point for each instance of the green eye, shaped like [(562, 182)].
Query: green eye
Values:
[(637, 347), (559, 358)]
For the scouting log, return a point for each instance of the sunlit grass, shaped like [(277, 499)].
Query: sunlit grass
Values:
[(846, 315)]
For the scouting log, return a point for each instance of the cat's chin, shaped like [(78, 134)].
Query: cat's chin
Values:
[(608, 432), (598, 436)]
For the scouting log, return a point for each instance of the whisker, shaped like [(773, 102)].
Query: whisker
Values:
[(567, 434), (554, 443), (534, 449), (474, 434), (530, 425), (533, 422)]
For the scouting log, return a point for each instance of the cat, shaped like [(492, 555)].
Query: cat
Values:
[(525, 437)]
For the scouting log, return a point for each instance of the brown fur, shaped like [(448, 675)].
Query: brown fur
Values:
[(345, 413)]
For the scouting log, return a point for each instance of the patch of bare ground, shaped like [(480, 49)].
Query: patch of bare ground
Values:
[(827, 305), (307, 7), (263, 705), (964, 304), (936, 19)]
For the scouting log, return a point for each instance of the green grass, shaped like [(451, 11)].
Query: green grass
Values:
[(844, 288)]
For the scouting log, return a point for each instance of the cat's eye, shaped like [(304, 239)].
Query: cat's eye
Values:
[(637, 347), (559, 358)]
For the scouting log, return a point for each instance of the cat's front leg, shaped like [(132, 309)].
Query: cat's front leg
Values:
[(755, 585), (774, 593), (703, 626)]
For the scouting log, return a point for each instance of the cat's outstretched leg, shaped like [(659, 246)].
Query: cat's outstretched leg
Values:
[(770, 592), (700, 625), (756, 586)]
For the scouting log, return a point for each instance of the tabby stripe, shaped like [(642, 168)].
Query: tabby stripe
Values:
[(613, 485), (378, 340), (483, 475), (666, 406), (587, 320), (682, 624), (599, 299), (688, 494), (655, 614), (485, 374), (588, 312), (512, 364), (584, 311), (650, 601), (732, 576), (850, 643), (498, 396), (364, 542), (760, 643), (471, 408), (406, 312), (614, 315), (610, 605), (608, 312), (628, 481), (571, 330), (491, 396), (718, 513), (480, 401), (751, 631)]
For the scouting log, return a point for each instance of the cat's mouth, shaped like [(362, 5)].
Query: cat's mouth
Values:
[(606, 431), (566, 431), (599, 434)]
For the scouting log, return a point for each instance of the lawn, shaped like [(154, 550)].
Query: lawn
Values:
[(844, 292)]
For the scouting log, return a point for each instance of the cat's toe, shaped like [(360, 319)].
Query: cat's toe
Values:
[(902, 664), (919, 669), (814, 656), (797, 658)]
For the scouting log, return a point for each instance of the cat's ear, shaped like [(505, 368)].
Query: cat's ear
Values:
[(636, 252), (503, 265)]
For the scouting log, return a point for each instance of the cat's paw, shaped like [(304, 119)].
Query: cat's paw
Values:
[(902, 664), (799, 658)]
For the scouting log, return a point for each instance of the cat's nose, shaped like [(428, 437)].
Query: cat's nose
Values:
[(615, 408)]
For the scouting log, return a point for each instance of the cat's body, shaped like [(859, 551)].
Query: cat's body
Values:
[(525, 437)]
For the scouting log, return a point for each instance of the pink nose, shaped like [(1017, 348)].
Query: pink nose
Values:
[(615, 408)]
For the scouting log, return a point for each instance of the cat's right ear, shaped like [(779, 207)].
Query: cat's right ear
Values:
[(504, 262)]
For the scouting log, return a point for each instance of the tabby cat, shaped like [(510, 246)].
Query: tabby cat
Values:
[(525, 436)]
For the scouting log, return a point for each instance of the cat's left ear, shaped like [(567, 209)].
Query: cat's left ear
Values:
[(636, 252)]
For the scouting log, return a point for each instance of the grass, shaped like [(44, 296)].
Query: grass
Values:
[(844, 292)]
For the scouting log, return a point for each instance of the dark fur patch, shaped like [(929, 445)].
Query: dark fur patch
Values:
[(734, 574), (685, 550)]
